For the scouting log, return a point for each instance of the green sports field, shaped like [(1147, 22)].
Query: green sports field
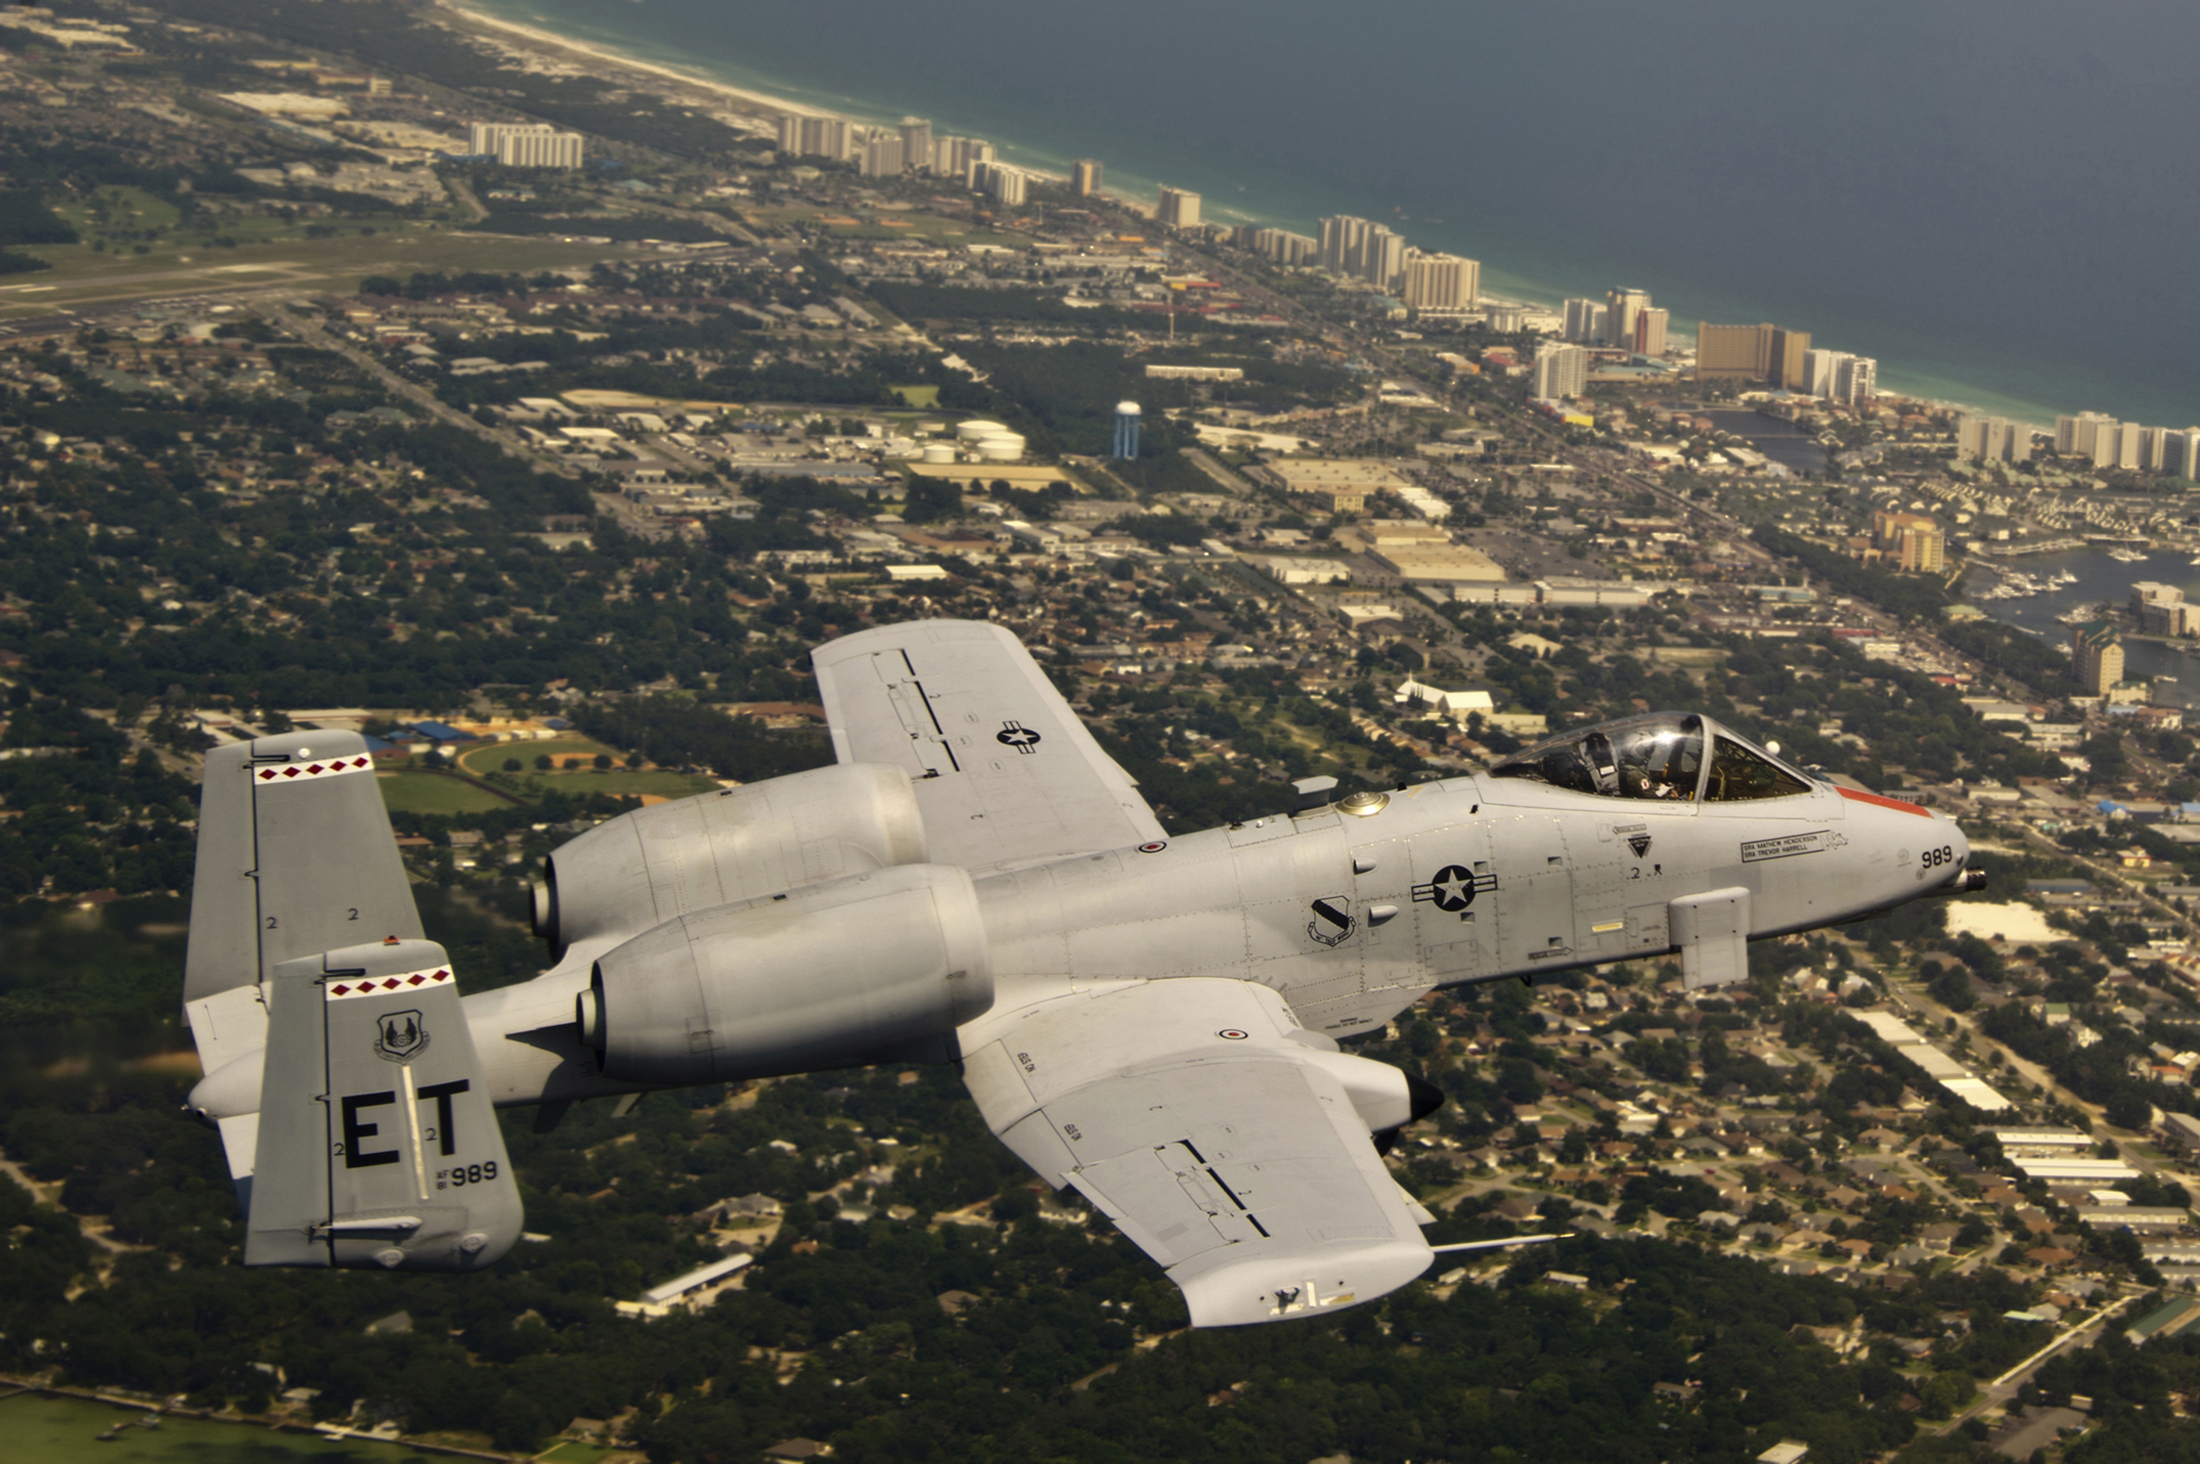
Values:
[(48, 1430)]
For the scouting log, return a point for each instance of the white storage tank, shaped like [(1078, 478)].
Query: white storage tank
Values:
[(971, 431), (1001, 447), (938, 452)]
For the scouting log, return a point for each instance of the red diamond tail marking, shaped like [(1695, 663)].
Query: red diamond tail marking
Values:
[(400, 982), (330, 768)]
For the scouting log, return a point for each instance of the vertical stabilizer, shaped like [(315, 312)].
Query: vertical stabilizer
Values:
[(377, 1143), (295, 857)]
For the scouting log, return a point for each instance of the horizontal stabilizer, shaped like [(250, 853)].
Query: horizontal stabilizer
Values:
[(377, 1144)]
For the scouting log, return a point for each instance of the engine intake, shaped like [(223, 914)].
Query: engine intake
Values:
[(832, 975)]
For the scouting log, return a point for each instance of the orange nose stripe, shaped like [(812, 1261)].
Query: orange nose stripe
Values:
[(1894, 803)]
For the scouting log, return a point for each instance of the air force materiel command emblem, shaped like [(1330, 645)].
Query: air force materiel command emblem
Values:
[(1018, 736), (1454, 888), (401, 1037)]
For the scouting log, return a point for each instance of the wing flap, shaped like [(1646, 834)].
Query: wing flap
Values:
[(1004, 771), (1223, 1146)]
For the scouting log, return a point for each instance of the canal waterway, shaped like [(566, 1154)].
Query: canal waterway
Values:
[(1782, 441), (2100, 579)]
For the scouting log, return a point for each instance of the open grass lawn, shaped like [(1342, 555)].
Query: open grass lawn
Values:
[(617, 781), (273, 252), (117, 210), (66, 1431), (490, 758), (421, 791), (919, 396), (929, 227), (573, 1453), (1691, 656), (657, 782)]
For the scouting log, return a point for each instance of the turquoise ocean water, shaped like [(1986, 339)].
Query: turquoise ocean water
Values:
[(1988, 197)]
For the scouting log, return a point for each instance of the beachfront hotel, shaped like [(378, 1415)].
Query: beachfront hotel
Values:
[(1179, 209), (525, 145), (1441, 281)]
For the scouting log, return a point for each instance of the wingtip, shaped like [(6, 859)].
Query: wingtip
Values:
[(1283, 1288)]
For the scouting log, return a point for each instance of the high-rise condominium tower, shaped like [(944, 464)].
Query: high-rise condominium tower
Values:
[(1441, 281), (1621, 307), (1560, 371), (1584, 321), (1179, 209), (916, 142)]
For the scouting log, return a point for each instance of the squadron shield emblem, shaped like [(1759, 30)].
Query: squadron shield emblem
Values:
[(400, 1036), (1333, 922)]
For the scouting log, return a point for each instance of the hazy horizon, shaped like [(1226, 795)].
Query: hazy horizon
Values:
[(1988, 198)]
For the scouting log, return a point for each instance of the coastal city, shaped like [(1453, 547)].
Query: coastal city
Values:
[(536, 414)]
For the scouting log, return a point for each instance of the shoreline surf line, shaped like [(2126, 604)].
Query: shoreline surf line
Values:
[(610, 56)]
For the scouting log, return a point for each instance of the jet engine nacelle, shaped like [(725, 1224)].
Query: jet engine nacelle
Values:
[(655, 864), (1385, 1098), (831, 975)]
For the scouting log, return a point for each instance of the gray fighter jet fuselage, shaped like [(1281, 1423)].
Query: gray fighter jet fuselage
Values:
[(1152, 1019), (1349, 911)]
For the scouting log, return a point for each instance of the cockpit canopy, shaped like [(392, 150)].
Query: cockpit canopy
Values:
[(1662, 756)]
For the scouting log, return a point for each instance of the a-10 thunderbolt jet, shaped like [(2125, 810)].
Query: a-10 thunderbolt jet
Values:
[(1154, 1020)]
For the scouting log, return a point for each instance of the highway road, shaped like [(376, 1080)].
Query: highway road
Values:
[(311, 332)]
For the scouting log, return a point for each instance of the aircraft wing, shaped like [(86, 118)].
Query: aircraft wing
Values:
[(1005, 772), (1214, 1132)]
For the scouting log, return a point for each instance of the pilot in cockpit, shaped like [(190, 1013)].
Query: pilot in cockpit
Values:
[(1659, 756)]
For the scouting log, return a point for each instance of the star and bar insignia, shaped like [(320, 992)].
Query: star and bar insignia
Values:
[(1454, 888)]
